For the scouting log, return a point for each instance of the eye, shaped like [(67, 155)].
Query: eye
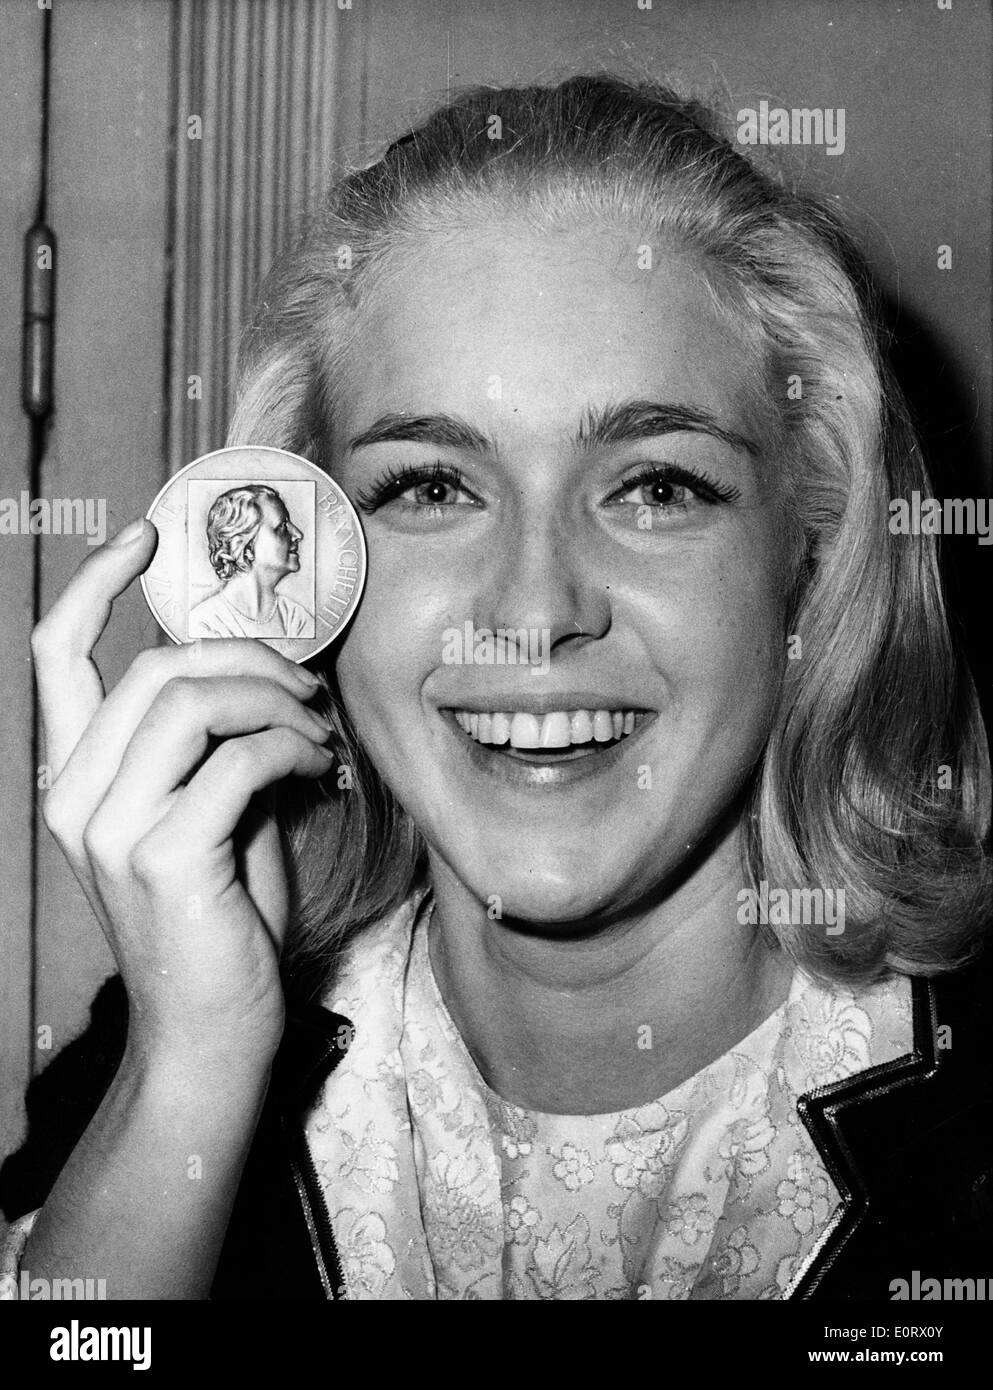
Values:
[(435, 493), (430, 488), (669, 487), (660, 492)]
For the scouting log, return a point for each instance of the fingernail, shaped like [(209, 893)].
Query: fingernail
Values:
[(308, 676), (130, 533)]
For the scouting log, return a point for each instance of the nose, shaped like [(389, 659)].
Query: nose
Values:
[(545, 578)]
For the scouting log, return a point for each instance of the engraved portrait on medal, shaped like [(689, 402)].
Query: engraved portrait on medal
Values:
[(258, 543)]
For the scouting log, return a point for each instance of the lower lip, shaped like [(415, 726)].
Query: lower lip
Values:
[(486, 758)]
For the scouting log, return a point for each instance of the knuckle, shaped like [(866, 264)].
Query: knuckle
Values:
[(149, 860), (180, 695), (56, 812), (41, 640), (238, 756), (100, 840), (149, 663)]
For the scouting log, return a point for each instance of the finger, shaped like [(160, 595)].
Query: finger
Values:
[(204, 816), (69, 686), (262, 866), (175, 733), (97, 757)]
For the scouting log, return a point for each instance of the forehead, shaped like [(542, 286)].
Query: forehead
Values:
[(273, 510), (523, 330)]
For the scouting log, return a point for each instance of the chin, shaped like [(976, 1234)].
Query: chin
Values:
[(546, 906), (560, 891)]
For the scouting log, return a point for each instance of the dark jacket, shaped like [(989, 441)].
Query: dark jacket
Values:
[(908, 1144)]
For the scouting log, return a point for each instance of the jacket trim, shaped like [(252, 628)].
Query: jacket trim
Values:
[(318, 1219), (318, 1038)]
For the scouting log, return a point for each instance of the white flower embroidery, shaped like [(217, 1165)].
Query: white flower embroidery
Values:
[(745, 1146), (803, 1195), (366, 1255), (461, 1218), (642, 1159), (425, 1091), (831, 1034), (372, 1163), (520, 1220), (673, 1279), (733, 1260), (517, 1129), (574, 1167), (690, 1218)]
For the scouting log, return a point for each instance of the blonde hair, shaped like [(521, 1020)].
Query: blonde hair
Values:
[(875, 778)]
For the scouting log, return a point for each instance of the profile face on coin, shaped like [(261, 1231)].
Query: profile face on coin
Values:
[(255, 542)]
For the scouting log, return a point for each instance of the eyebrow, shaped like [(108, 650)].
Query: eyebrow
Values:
[(639, 419), (444, 431), (613, 424)]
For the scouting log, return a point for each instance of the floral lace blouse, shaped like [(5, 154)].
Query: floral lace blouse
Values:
[(439, 1189)]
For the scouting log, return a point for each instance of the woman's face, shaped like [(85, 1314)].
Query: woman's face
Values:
[(275, 547), (542, 435)]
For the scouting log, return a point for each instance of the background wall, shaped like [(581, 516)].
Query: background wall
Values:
[(915, 174), (107, 205)]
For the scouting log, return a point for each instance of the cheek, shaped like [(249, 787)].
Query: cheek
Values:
[(391, 645), (741, 643), (715, 623)]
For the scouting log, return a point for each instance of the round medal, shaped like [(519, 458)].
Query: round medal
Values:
[(255, 542)]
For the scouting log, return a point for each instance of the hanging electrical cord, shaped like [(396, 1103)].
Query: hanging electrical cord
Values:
[(38, 356), (38, 400)]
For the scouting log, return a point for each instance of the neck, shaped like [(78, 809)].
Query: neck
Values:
[(613, 1016), (252, 595)]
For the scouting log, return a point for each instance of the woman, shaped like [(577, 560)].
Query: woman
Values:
[(587, 373), (253, 545)]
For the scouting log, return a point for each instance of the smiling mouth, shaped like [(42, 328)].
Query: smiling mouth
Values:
[(559, 735)]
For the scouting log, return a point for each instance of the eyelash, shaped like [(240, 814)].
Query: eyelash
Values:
[(708, 489), (400, 480)]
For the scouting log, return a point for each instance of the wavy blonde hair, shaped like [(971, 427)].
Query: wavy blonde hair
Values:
[(875, 777)]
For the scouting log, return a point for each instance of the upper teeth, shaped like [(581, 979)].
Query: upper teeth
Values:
[(557, 729)]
